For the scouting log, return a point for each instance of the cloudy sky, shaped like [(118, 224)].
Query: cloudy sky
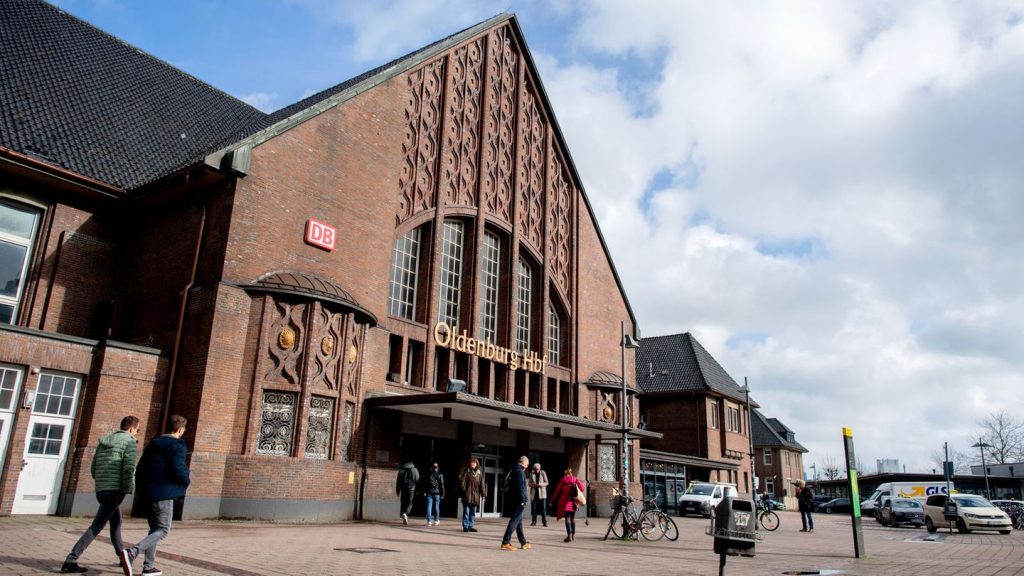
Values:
[(828, 195)]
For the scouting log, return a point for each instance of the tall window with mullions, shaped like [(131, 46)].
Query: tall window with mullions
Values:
[(554, 337), (490, 262), (17, 229), (524, 303), (451, 273), (404, 272)]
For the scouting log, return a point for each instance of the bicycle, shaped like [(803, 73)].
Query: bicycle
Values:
[(630, 521), (767, 518), (663, 521)]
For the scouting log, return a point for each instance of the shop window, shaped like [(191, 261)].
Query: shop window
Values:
[(524, 305), (18, 225), (451, 273), (277, 423), (404, 275), (320, 427), (713, 414), (490, 287)]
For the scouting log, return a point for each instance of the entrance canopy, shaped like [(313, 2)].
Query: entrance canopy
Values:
[(471, 408)]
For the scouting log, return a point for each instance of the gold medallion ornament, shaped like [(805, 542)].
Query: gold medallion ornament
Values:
[(608, 413), (286, 338), (327, 345), (353, 353)]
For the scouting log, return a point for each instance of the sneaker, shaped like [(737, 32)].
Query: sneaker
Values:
[(526, 546), (405, 519), (803, 529), (72, 568), (534, 523), (507, 547), (437, 522), (567, 539), (126, 557), (471, 529), (151, 571)]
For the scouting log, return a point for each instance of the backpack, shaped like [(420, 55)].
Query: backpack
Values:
[(510, 483)]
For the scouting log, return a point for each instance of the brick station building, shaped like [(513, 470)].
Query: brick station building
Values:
[(404, 266)]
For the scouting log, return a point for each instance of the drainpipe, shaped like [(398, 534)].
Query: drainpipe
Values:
[(179, 330), (361, 495)]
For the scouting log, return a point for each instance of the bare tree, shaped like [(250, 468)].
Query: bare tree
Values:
[(961, 461), (830, 469), (1004, 436)]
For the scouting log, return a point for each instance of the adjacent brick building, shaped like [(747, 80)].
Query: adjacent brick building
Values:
[(404, 266), (778, 458)]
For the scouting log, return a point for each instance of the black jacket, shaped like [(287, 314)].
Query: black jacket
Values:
[(435, 483), (162, 472)]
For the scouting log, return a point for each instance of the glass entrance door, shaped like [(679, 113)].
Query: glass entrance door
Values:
[(493, 477)]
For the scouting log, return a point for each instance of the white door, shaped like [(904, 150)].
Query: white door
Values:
[(491, 506), (46, 445), (10, 378)]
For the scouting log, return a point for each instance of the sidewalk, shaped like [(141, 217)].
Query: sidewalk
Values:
[(37, 545)]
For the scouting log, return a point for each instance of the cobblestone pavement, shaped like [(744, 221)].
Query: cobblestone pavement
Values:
[(37, 545)]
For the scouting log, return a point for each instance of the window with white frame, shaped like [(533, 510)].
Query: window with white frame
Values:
[(404, 272), (769, 486), (524, 303), (554, 336), (55, 395), (8, 387), (490, 262), (451, 273), (767, 457), (732, 417), (713, 414), (17, 229)]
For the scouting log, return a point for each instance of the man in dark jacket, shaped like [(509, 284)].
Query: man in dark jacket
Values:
[(517, 497), (164, 477), (805, 500), (113, 470), (405, 486)]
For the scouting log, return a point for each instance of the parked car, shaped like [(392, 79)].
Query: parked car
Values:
[(818, 500), (870, 505), (702, 497), (972, 513), (835, 505), (897, 511)]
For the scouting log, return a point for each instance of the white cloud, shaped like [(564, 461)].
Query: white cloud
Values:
[(264, 101)]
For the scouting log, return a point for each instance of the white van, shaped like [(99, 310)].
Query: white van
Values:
[(916, 490), (702, 497)]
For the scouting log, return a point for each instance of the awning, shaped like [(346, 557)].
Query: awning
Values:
[(306, 285), (472, 408), (695, 461)]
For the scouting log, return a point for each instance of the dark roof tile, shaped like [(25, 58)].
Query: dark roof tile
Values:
[(678, 363)]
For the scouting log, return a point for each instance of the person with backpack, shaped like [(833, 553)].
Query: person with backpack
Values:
[(434, 494), (569, 495), (516, 498), (405, 487), (473, 490), (113, 470)]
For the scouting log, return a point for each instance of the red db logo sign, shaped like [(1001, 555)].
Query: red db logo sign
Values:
[(320, 235)]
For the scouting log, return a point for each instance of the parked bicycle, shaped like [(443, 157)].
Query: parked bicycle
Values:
[(634, 518)]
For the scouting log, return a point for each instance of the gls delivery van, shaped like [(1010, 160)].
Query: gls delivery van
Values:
[(918, 490)]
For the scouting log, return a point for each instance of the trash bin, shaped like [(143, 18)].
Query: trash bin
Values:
[(734, 527)]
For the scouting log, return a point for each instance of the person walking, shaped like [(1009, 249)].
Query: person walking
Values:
[(434, 493), (473, 490), (164, 476), (113, 470), (516, 498), (805, 501), (538, 495), (566, 500), (405, 487)]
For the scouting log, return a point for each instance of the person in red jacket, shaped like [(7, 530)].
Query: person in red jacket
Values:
[(565, 502)]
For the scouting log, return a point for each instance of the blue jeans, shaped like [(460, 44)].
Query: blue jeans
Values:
[(515, 523), (807, 519), (468, 516), (159, 518), (110, 502), (433, 507)]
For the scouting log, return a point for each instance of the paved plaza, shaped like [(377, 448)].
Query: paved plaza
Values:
[(37, 545)]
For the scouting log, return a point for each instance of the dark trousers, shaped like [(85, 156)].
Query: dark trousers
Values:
[(807, 519), (570, 523), (539, 507), (110, 511), (515, 523), (407, 501)]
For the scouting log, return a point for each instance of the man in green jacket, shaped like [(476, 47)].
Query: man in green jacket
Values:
[(113, 469)]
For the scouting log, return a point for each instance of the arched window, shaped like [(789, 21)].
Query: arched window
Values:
[(524, 305), (451, 272), (490, 267), (405, 262)]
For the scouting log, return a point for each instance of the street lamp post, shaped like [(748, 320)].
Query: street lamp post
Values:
[(750, 438), (628, 341), (982, 445)]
